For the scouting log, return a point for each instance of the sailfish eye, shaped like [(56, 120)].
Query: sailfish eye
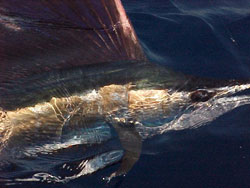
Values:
[(201, 95)]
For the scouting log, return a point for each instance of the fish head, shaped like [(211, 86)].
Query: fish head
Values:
[(199, 107), (208, 104)]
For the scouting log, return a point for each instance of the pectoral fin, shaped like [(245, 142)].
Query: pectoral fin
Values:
[(131, 142)]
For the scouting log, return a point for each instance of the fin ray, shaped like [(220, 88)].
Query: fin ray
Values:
[(35, 33), (38, 36)]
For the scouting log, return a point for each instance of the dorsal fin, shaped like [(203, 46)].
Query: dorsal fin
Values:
[(43, 35)]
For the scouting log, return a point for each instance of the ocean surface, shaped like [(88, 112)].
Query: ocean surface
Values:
[(207, 39)]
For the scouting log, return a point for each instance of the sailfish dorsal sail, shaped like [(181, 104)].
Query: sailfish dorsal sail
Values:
[(38, 36)]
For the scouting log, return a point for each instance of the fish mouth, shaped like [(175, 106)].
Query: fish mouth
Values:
[(224, 99), (230, 91)]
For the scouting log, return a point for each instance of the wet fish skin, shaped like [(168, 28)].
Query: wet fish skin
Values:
[(53, 52)]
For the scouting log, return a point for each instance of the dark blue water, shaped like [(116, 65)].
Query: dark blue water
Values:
[(202, 38)]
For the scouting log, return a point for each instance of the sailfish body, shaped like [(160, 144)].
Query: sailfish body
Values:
[(67, 65)]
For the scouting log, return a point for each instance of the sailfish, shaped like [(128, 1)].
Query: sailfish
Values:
[(66, 66)]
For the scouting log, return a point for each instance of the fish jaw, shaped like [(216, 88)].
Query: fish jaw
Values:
[(197, 114), (231, 90)]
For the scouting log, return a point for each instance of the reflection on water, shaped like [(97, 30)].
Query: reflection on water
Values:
[(85, 167)]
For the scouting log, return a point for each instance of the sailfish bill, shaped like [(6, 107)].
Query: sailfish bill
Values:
[(68, 65)]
